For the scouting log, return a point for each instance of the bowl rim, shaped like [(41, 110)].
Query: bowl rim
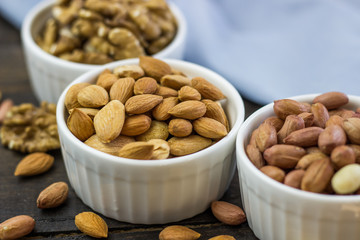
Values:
[(61, 122), (42, 6), (244, 162)]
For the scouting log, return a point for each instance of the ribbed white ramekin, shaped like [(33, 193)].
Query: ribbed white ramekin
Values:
[(152, 191), (49, 75), (278, 212)]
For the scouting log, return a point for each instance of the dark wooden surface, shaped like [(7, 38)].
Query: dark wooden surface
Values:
[(18, 195)]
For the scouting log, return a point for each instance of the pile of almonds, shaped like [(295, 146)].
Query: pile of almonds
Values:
[(310, 146), (146, 111)]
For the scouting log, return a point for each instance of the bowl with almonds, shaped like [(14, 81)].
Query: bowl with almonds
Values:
[(299, 167), (148, 140), (63, 39)]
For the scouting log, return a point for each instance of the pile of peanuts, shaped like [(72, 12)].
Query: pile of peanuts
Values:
[(314, 146)]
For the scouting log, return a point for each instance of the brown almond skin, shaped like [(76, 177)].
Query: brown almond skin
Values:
[(112, 147), (142, 103), (53, 196), (178, 232), (317, 176), (209, 128), (179, 127), (175, 81), (135, 125), (308, 118), (330, 138), (160, 112), (275, 121), (189, 110), (222, 237), (228, 213), (291, 124), (265, 137), (284, 156), (188, 145), (285, 107), (91, 224), (255, 155), (188, 93), (80, 124), (352, 129), (321, 114), (71, 95), (157, 130), (215, 111), (16, 227), (294, 177), (305, 137), (153, 67), (137, 150), (122, 89), (145, 85), (308, 159), (93, 96), (34, 164), (332, 100), (342, 156), (274, 172), (207, 89), (106, 79), (166, 92)]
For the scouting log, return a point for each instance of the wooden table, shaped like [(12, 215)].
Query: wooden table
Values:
[(18, 195)]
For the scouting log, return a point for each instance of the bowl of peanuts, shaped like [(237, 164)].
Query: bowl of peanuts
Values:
[(298, 162), (63, 39), (149, 141)]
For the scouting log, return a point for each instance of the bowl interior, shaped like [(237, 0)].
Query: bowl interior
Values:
[(252, 122), (233, 106)]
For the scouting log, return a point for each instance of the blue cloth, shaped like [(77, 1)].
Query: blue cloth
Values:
[(268, 49)]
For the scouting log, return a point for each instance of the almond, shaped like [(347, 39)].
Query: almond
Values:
[(284, 156), (222, 237), (142, 103), (273, 172), (207, 89), (341, 156), (132, 71), (161, 149), (166, 92), (137, 150), (265, 137), (189, 110), (93, 96), (136, 125), (91, 112), (112, 147), (175, 81), (188, 93), (332, 100), (71, 100), (122, 89), (294, 178), (16, 227), (285, 107), (80, 124), (179, 233), (109, 121), (160, 112), (291, 124), (106, 80), (321, 114), (317, 176), (53, 196), (188, 145), (330, 138), (304, 137), (210, 128), (34, 164), (255, 155), (153, 67), (215, 111), (352, 129), (179, 127), (145, 85), (157, 130), (91, 224), (228, 213), (5, 106)]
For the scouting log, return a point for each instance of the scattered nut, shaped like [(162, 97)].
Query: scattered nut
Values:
[(178, 232), (91, 224), (53, 196), (34, 164), (16, 227), (228, 213)]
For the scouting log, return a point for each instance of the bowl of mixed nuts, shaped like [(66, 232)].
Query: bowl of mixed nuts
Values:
[(148, 140), (63, 39), (299, 167)]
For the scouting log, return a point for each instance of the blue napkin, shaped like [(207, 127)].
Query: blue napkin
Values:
[(268, 49)]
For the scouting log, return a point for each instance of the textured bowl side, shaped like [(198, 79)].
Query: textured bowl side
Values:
[(275, 211), (152, 192), (49, 75)]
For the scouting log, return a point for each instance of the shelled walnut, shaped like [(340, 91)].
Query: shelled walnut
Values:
[(27, 128), (101, 31)]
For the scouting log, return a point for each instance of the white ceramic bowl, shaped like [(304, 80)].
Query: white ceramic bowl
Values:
[(49, 75), (276, 211), (159, 191)]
